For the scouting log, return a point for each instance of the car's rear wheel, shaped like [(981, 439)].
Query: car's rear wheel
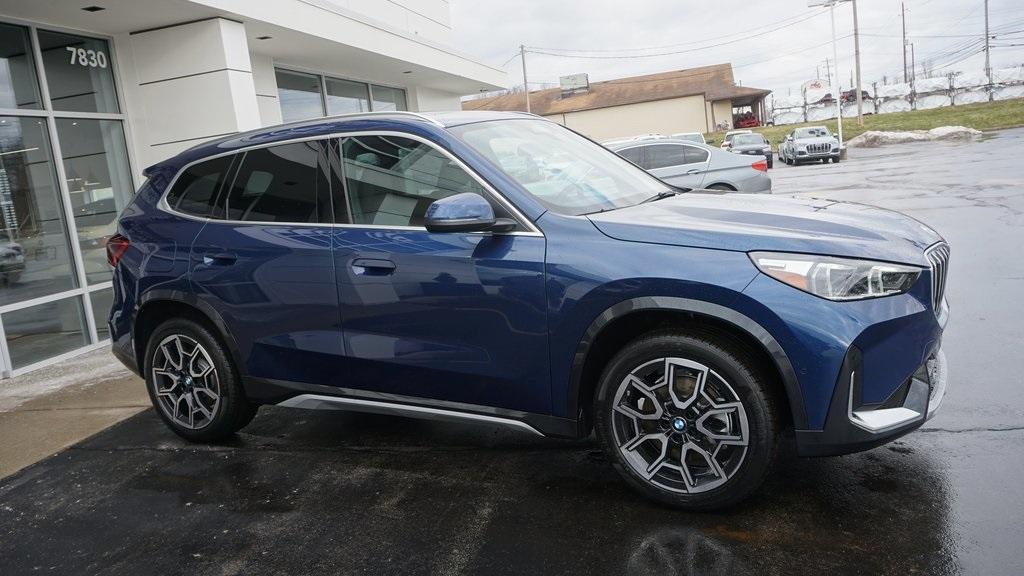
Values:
[(687, 420), (193, 384)]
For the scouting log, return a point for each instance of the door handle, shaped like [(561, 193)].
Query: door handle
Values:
[(692, 171), (219, 259), (373, 267)]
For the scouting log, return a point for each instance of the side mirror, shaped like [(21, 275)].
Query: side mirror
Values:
[(466, 212)]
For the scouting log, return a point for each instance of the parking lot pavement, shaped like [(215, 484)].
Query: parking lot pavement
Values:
[(316, 492)]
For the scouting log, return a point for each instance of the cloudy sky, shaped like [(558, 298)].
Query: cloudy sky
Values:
[(775, 44)]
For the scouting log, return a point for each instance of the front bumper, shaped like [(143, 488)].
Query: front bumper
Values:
[(852, 426)]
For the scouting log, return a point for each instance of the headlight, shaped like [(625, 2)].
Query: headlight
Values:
[(836, 278)]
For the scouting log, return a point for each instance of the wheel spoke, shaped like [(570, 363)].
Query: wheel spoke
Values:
[(692, 482), (632, 383), (654, 464), (678, 374), (734, 431)]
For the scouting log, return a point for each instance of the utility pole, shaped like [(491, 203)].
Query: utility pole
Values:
[(526, 83), (988, 62), (913, 77), (828, 72), (835, 60), (856, 52), (903, 15)]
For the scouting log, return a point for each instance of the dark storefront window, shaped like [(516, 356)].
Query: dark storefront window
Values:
[(78, 72), (19, 87)]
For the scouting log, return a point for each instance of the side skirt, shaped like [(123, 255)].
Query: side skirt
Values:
[(317, 397)]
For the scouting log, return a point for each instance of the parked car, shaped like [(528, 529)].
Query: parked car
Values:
[(690, 165), (690, 137), (809, 144), (729, 135), (752, 145), (12, 259), (498, 268)]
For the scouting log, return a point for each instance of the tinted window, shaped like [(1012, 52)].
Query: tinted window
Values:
[(78, 72), (391, 180), (664, 155), (195, 191), (692, 154), (18, 85), (277, 184), (634, 155)]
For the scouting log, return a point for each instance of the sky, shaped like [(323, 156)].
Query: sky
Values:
[(773, 44)]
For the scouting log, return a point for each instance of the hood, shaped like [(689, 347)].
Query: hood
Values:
[(748, 222)]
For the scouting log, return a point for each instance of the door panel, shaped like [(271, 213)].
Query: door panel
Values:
[(270, 271), (452, 316), (673, 164)]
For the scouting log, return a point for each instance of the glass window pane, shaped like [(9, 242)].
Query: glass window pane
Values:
[(102, 302), (99, 182), (634, 155), (664, 156), (385, 98), (195, 191), (19, 87), (299, 95), (78, 72), (276, 184), (35, 256), (694, 155), (43, 331), (391, 180), (345, 97)]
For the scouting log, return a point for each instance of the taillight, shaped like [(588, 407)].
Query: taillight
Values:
[(761, 165), (116, 247)]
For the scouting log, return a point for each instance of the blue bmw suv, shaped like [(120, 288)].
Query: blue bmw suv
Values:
[(501, 269)]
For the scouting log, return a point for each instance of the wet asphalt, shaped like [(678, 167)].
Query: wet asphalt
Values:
[(334, 493)]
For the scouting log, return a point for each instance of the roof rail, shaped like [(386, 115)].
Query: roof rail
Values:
[(381, 113)]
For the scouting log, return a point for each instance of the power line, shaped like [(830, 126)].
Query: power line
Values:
[(562, 53)]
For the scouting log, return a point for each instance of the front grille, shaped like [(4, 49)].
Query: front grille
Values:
[(938, 258), (819, 148)]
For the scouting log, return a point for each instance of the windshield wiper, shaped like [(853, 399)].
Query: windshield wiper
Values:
[(662, 195)]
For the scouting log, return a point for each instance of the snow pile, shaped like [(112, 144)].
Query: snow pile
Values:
[(873, 139)]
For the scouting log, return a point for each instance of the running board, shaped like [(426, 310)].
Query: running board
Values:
[(321, 402)]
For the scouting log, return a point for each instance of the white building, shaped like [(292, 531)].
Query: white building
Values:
[(94, 91)]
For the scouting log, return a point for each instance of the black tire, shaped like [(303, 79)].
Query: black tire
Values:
[(725, 187), (734, 365), (835, 160), (231, 413)]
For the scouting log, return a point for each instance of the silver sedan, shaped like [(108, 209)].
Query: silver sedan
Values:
[(691, 165)]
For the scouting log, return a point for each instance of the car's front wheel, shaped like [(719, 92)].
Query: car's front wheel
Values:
[(687, 420), (193, 384)]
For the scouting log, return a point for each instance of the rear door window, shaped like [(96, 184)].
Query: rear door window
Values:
[(195, 191), (283, 184), (664, 156)]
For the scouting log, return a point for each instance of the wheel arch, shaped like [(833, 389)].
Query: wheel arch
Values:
[(158, 307), (628, 319)]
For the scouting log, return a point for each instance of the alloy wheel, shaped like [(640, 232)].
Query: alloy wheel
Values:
[(680, 425), (185, 382)]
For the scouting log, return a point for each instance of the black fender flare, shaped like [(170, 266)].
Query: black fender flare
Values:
[(156, 296), (698, 307)]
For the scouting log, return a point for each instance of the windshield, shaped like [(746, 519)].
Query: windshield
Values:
[(747, 139), (564, 171), (817, 132), (690, 137)]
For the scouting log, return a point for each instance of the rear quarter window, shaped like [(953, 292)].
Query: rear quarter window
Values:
[(195, 191)]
